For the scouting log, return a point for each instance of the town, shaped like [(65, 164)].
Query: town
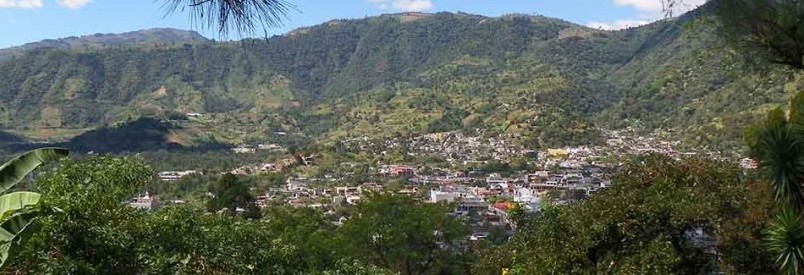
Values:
[(484, 179)]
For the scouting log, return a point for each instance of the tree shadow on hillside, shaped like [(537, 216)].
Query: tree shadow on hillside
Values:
[(141, 135), (10, 138)]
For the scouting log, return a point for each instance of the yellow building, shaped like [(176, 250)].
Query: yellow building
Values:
[(557, 153)]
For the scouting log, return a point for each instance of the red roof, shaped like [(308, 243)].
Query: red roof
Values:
[(502, 206)]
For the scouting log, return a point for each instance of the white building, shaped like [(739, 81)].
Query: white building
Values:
[(243, 150), (175, 175), (145, 202), (465, 201)]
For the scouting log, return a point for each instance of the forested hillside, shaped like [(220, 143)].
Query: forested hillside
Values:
[(543, 81)]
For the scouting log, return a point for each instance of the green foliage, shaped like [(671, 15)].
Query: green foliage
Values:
[(95, 183), (776, 144), (17, 209), (399, 233), (786, 241), (646, 223), (94, 232), (767, 30), (356, 268), (231, 194), (640, 224), (313, 235), (13, 171), (186, 240)]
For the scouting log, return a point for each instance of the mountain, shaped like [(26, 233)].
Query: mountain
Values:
[(142, 38), (543, 81)]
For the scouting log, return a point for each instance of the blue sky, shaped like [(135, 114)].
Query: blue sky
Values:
[(26, 21)]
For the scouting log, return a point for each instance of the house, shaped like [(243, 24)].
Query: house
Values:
[(571, 179), (174, 175), (495, 180), (145, 202), (398, 170), (748, 164), (558, 153), (243, 150), (526, 196), (348, 190), (538, 177), (337, 201), (501, 209), (353, 200), (269, 147), (465, 201), (296, 184)]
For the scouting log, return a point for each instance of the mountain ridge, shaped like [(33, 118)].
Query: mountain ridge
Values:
[(542, 81), (98, 41)]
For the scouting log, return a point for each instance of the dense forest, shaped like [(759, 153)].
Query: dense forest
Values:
[(528, 76)]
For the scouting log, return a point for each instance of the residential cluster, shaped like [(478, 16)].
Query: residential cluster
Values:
[(485, 198)]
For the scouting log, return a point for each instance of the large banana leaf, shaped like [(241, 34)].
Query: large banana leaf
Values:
[(13, 171), (11, 203), (11, 229)]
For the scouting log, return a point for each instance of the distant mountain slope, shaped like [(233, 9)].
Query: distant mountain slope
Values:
[(543, 81), (144, 38)]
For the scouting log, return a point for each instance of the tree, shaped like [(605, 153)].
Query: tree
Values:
[(231, 194), (242, 16), (777, 145), (767, 29), (771, 30), (312, 234), (96, 232), (90, 232), (19, 208), (659, 216), (399, 233)]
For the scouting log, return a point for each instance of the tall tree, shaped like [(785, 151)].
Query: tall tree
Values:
[(400, 233), (233, 195)]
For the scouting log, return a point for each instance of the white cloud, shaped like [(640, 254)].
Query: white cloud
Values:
[(656, 7), (413, 5), (21, 4), (652, 6), (73, 4), (647, 11), (403, 5), (618, 24)]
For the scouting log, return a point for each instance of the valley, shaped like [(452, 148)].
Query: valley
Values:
[(535, 79), (403, 141)]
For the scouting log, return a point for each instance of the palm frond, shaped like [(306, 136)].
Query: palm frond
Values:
[(242, 16), (778, 148), (785, 239)]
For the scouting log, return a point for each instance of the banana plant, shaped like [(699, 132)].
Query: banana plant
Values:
[(17, 209)]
